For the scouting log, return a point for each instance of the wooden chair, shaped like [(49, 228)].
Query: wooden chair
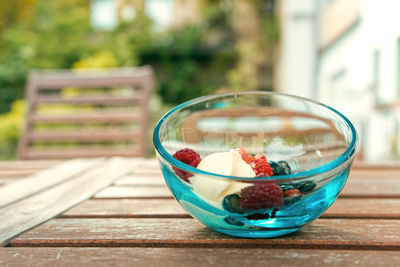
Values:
[(87, 113)]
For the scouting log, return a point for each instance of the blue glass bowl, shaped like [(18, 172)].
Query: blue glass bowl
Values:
[(315, 140)]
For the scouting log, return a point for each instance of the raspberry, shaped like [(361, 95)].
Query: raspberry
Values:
[(291, 192), (189, 157), (261, 166), (292, 196), (248, 158), (261, 195)]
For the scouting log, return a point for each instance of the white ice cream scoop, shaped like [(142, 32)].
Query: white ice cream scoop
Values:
[(225, 163)]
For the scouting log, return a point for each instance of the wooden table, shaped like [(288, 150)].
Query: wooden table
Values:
[(118, 211)]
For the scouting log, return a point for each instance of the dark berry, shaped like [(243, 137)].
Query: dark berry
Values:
[(258, 216), (276, 168), (232, 203), (285, 187), (261, 166), (291, 192), (286, 167), (292, 199), (189, 157), (233, 221), (261, 195), (306, 186), (292, 196)]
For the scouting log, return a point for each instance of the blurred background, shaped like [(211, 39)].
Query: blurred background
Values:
[(343, 53)]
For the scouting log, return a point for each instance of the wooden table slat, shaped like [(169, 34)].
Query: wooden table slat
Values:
[(169, 208), (134, 219), (321, 234), (361, 184), (25, 187), (155, 257), (140, 180), (27, 164), (135, 192), (27, 213), (370, 184)]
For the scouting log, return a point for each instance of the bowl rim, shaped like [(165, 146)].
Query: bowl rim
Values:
[(342, 159)]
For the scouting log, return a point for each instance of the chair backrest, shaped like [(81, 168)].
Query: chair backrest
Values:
[(87, 113)]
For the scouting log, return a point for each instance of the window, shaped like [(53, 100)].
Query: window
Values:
[(398, 67), (161, 12), (103, 14)]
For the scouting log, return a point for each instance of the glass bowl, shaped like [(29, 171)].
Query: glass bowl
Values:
[(316, 141)]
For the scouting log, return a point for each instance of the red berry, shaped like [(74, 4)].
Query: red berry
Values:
[(261, 195), (261, 166), (189, 157), (291, 192), (248, 158)]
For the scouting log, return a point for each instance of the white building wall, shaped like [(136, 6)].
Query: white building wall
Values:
[(354, 53), (298, 49), (345, 72), (358, 88)]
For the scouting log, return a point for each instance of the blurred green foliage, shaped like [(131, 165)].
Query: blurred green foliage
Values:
[(10, 129), (57, 34), (189, 61)]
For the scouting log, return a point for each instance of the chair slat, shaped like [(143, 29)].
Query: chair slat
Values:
[(88, 136), (65, 153), (88, 100), (84, 118), (128, 113)]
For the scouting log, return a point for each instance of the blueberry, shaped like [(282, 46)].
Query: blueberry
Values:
[(231, 203), (292, 199), (233, 221), (276, 168), (285, 187), (285, 166), (306, 186)]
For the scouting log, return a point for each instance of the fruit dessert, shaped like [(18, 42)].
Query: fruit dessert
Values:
[(260, 199)]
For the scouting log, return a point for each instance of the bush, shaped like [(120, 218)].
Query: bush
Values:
[(10, 129)]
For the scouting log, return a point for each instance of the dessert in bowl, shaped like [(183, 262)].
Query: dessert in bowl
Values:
[(255, 164)]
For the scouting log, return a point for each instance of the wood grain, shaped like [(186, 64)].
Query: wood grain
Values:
[(364, 208), (366, 166), (80, 153), (367, 187), (321, 234), (138, 81), (135, 192), (99, 117), (29, 212), (17, 172), (25, 187), (87, 136), (27, 164), (141, 180), (382, 184), (361, 184), (5, 180), (169, 208), (89, 100), (177, 257), (127, 208)]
